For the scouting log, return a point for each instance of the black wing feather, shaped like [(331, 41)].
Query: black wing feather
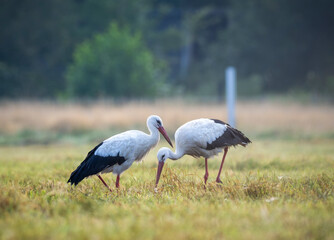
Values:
[(231, 137), (93, 164)]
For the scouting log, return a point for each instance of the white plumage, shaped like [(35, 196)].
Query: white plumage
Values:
[(193, 137), (133, 145), (117, 153), (202, 137)]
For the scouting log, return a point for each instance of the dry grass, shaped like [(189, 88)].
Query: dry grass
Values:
[(273, 189), (266, 194), (252, 116)]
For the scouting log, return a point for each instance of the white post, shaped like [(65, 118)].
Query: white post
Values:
[(230, 75)]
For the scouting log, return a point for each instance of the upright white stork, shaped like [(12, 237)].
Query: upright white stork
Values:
[(117, 153), (202, 137)]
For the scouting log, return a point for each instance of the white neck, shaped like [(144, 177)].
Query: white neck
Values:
[(154, 134), (175, 156)]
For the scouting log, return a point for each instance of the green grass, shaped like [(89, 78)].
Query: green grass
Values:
[(273, 189)]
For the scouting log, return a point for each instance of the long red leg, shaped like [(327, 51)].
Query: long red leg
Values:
[(221, 166), (206, 176), (117, 181), (104, 182)]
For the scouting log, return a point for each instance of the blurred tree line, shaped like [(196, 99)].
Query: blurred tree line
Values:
[(133, 48)]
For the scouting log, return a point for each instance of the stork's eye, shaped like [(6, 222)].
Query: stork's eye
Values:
[(158, 121), (163, 156)]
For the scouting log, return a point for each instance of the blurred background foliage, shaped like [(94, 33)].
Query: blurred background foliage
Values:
[(113, 63), (143, 48)]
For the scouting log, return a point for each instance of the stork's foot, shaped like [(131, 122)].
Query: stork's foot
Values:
[(218, 180), (206, 176)]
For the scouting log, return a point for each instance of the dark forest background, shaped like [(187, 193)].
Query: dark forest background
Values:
[(142, 48)]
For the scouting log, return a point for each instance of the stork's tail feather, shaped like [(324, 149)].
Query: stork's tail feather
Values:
[(81, 172), (242, 139), (77, 175)]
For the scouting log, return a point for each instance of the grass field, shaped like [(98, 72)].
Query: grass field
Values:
[(280, 187)]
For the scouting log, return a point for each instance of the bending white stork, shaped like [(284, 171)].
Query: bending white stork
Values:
[(202, 137), (117, 153)]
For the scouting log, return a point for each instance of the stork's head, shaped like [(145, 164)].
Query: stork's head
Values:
[(156, 122), (163, 155)]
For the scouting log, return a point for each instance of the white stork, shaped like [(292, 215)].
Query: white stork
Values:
[(202, 137), (117, 153)]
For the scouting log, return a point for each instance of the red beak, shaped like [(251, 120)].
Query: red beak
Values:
[(160, 167), (163, 132)]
